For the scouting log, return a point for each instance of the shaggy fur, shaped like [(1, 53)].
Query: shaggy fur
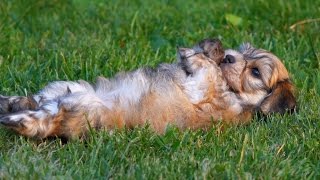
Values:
[(205, 85)]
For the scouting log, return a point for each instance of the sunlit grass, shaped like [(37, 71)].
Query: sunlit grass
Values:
[(42, 41)]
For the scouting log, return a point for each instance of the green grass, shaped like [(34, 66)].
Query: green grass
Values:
[(42, 41)]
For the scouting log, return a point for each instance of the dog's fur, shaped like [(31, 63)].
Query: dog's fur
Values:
[(205, 85)]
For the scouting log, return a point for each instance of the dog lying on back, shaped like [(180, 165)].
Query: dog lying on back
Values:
[(205, 85)]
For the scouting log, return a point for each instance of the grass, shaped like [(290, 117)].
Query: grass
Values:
[(42, 41)]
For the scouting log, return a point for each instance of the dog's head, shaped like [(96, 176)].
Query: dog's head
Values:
[(259, 78)]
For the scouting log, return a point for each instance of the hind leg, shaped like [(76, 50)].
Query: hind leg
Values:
[(11, 104), (47, 121), (69, 116), (32, 123), (54, 90), (41, 115)]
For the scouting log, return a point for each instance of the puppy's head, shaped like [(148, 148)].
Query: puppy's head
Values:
[(259, 78)]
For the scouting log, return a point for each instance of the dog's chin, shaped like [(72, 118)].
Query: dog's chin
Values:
[(231, 87)]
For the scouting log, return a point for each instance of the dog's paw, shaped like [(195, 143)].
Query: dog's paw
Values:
[(4, 104), (213, 49), (12, 104), (14, 120), (24, 123)]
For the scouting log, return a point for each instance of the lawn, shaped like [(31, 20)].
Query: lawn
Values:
[(42, 41)]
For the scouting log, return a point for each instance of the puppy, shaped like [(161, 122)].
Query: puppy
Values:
[(259, 79), (204, 86)]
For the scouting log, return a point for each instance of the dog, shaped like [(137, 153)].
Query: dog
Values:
[(206, 84)]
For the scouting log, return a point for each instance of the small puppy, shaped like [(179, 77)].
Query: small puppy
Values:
[(205, 85)]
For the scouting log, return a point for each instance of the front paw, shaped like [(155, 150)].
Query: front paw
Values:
[(213, 49)]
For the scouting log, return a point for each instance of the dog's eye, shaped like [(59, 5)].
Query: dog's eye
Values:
[(255, 72)]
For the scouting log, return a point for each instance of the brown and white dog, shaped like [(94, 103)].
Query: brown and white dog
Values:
[(205, 85)]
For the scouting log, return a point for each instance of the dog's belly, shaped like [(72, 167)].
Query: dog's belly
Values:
[(124, 93)]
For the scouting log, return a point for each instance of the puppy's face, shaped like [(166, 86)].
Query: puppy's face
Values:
[(259, 79)]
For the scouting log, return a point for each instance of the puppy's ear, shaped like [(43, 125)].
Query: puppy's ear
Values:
[(213, 49), (280, 100), (246, 48)]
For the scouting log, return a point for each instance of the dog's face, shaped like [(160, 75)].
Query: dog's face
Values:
[(259, 79)]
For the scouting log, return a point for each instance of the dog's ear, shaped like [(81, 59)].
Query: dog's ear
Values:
[(212, 48), (280, 100), (246, 48)]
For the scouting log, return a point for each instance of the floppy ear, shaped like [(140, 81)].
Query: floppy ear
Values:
[(213, 49), (280, 100)]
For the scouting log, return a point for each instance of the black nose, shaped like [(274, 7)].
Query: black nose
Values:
[(229, 59)]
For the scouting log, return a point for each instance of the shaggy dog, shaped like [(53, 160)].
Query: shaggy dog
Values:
[(205, 85)]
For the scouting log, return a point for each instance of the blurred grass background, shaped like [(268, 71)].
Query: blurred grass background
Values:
[(42, 41)]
